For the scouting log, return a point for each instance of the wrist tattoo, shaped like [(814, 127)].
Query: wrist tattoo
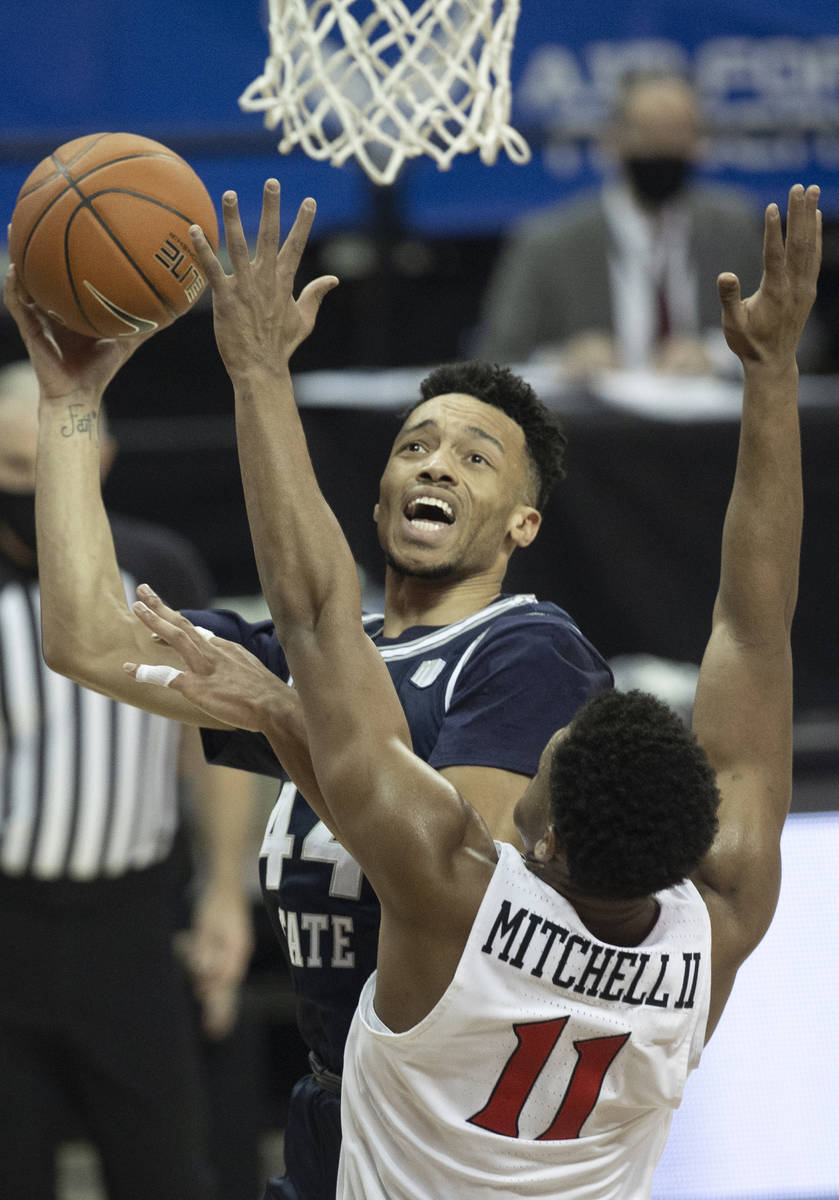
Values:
[(81, 422)]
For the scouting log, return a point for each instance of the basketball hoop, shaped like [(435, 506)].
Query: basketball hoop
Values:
[(385, 84)]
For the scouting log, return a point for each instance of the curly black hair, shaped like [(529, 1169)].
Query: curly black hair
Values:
[(496, 385), (634, 799)]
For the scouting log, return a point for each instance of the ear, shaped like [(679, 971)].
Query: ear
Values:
[(376, 511), (524, 525), (545, 848)]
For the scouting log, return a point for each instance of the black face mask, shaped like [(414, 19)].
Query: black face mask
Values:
[(17, 510), (657, 180)]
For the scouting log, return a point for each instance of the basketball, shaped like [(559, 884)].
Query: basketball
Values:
[(100, 234)]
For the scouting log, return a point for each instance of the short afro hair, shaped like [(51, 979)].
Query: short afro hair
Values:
[(634, 799), (544, 436)]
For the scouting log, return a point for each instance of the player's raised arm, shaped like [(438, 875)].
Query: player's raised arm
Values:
[(258, 325), (358, 734), (743, 710), (88, 627)]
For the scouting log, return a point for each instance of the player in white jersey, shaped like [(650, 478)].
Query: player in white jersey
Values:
[(606, 967), (545, 1035)]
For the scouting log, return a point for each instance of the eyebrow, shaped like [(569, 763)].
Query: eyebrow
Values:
[(476, 429)]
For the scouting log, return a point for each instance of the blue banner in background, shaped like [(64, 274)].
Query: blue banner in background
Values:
[(770, 95), (770, 88)]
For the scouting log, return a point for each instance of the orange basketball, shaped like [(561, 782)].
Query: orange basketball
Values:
[(99, 234)]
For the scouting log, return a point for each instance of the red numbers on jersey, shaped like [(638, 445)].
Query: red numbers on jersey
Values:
[(535, 1041)]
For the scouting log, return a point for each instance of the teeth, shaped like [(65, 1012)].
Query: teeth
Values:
[(430, 526), (431, 502)]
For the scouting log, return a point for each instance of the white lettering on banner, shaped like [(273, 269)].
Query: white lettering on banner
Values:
[(761, 82), (773, 101), (609, 61), (572, 90)]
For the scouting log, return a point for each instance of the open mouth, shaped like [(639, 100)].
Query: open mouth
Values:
[(429, 513)]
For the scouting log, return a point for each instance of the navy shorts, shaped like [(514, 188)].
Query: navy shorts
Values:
[(312, 1145)]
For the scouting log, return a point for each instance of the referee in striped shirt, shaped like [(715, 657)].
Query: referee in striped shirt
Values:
[(96, 1028)]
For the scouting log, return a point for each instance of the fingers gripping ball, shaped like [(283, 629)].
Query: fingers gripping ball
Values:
[(100, 234)]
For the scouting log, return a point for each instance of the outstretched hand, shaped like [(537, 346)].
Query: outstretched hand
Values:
[(220, 678), (65, 362), (767, 325), (257, 321)]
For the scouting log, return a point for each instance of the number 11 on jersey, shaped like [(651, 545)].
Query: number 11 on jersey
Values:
[(534, 1042)]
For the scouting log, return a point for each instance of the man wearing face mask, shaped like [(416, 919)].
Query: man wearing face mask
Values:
[(626, 278)]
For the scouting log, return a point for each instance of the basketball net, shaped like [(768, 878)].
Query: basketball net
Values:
[(385, 84)]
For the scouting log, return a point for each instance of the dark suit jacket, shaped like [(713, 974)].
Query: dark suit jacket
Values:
[(551, 280)]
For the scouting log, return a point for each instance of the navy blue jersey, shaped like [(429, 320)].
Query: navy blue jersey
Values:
[(486, 691)]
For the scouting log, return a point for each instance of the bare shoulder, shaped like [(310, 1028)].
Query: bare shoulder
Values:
[(433, 854), (426, 924)]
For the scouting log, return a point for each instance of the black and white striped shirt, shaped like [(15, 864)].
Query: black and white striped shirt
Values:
[(88, 787)]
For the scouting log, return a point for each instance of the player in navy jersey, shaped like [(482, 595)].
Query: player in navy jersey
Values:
[(465, 482), (533, 1017)]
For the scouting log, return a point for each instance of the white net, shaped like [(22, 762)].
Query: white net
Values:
[(384, 81)]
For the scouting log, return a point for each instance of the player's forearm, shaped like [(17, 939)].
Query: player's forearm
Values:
[(284, 726), (88, 629), (304, 563), (762, 531), (742, 714), (81, 588)]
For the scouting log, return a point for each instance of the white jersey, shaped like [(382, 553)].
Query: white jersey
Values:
[(550, 1066)]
